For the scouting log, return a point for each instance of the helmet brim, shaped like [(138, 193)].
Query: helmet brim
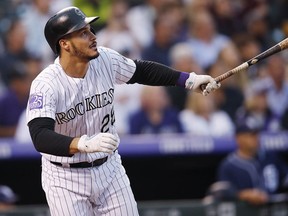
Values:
[(85, 22), (89, 20)]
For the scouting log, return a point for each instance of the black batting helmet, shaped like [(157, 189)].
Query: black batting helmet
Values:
[(64, 22)]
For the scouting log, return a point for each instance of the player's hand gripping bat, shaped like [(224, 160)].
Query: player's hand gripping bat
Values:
[(282, 45)]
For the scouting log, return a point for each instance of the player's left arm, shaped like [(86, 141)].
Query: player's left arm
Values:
[(155, 74)]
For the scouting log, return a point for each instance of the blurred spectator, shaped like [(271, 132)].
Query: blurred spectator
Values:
[(8, 12), (2, 87), (34, 19), (244, 8), (248, 47), (225, 18), (230, 96), (181, 57), (127, 101), (116, 34), (14, 100), (33, 66), (177, 11), (201, 117), (164, 38), (281, 31), (156, 116), (14, 48), (284, 121), (277, 14), (255, 175), (258, 28), (205, 41), (22, 135), (255, 107), (1, 46), (277, 95), (229, 55), (8, 198), (140, 20), (194, 6)]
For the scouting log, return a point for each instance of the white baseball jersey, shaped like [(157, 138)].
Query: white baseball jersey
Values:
[(80, 105), (83, 106)]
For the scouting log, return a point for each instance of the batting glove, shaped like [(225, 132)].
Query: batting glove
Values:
[(195, 82), (102, 142)]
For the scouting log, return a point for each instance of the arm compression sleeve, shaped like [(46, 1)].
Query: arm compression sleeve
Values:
[(46, 140), (155, 74)]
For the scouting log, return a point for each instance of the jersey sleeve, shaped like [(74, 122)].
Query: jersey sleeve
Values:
[(123, 67), (42, 101)]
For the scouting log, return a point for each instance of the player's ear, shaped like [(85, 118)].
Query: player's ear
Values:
[(64, 44)]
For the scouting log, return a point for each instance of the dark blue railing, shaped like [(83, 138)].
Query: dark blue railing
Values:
[(158, 145)]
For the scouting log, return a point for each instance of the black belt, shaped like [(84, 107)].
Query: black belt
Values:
[(97, 162)]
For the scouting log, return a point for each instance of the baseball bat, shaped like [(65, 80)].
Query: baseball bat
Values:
[(282, 45)]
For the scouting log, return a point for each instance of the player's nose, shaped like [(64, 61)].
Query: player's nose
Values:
[(92, 36)]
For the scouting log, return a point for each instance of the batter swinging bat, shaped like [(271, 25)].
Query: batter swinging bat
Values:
[(282, 45)]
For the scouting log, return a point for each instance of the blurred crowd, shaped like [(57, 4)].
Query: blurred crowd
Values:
[(202, 36)]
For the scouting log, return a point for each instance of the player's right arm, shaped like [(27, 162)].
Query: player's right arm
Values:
[(46, 140), (73, 148)]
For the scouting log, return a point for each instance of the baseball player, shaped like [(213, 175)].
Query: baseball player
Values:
[(71, 118)]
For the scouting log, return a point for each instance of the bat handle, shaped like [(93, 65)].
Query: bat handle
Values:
[(203, 86), (227, 74), (217, 79)]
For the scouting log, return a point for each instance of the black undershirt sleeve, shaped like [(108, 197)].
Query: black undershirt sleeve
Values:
[(154, 74), (46, 140)]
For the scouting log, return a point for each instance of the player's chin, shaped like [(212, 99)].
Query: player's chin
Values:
[(94, 54)]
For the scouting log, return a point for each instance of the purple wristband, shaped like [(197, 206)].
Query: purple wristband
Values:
[(182, 79)]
